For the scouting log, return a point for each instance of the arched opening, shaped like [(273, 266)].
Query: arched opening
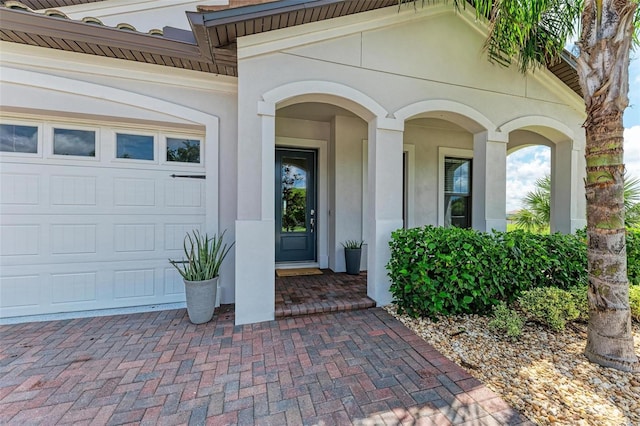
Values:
[(529, 188), (313, 127), (542, 146), (446, 140)]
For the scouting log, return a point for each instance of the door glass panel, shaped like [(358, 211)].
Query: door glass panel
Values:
[(15, 138), (74, 142), (183, 150), (294, 194), (134, 147)]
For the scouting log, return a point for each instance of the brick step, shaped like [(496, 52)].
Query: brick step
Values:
[(291, 310)]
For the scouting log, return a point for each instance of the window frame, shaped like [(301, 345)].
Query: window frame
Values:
[(463, 154), (165, 161), (40, 138), (50, 129)]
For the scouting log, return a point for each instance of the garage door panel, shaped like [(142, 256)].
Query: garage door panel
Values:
[(20, 240), (74, 287), (134, 237), (173, 283), (21, 291), (174, 234), (19, 189), (93, 233), (134, 283), (134, 192), (184, 193), (73, 238), (73, 190)]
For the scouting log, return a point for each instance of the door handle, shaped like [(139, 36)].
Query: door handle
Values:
[(312, 222)]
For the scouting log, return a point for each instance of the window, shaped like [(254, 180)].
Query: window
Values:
[(81, 143), (135, 147), (183, 150), (16, 138), (457, 192)]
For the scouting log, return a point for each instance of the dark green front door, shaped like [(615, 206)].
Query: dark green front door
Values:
[(295, 205)]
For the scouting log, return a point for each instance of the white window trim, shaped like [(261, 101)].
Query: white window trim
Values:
[(163, 153), (444, 152), (124, 131), (49, 129), (20, 122)]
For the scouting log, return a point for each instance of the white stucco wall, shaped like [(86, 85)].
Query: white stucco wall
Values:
[(377, 65), (427, 137)]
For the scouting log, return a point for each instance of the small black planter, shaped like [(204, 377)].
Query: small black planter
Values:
[(352, 259)]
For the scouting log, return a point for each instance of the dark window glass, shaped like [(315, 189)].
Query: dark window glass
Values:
[(183, 150), (135, 147), (15, 138), (81, 143), (294, 194), (457, 192)]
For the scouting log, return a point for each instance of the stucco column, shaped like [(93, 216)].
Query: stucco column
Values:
[(385, 201), (255, 240), (489, 182), (565, 217)]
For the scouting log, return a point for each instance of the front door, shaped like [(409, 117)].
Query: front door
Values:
[(295, 205)]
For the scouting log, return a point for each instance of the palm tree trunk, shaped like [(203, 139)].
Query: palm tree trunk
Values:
[(603, 67)]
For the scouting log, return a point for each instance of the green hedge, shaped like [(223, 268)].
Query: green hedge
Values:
[(438, 270), (451, 270)]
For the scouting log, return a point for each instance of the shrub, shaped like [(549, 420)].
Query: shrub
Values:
[(634, 299), (555, 260), (550, 306), (581, 301), (506, 320), (438, 270), (452, 270), (633, 255)]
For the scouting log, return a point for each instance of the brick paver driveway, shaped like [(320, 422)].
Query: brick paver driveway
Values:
[(360, 367)]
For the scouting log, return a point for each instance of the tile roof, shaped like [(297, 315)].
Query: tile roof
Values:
[(49, 4)]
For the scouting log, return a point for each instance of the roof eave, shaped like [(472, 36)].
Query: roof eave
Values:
[(42, 25)]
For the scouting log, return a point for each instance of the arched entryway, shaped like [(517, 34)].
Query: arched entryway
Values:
[(349, 117)]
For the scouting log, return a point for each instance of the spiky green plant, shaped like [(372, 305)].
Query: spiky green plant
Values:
[(204, 256), (352, 244)]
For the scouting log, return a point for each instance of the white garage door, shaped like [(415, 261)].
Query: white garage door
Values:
[(90, 215)]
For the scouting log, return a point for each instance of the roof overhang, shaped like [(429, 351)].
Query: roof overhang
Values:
[(215, 32), (76, 36)]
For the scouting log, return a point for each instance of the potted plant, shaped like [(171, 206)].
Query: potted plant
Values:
[(200, 271), (352, 255)]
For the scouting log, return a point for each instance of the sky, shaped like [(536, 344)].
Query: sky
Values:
[(527, 165)]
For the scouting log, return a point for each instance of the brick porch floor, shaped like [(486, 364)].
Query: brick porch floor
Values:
[(329, 292), (352, 367)]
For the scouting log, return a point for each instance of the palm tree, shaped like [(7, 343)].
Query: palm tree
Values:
[(536, 214), (534, 32)]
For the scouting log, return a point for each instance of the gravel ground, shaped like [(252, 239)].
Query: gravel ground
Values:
[(544, 375)]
